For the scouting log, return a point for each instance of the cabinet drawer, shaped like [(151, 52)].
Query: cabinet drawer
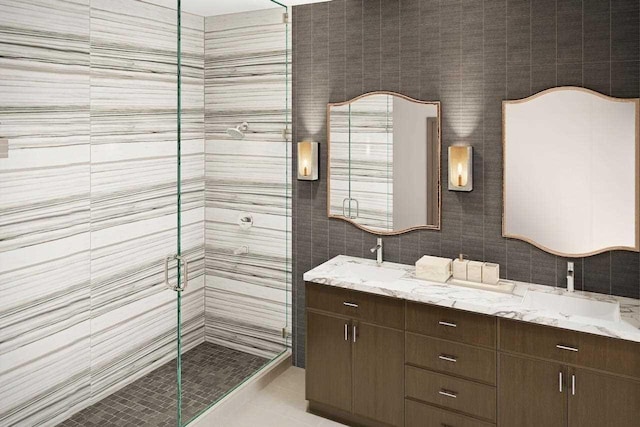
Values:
[(376, 309), (451, 324), (577, 348), (420, 415), (451, 358), (449, 392)]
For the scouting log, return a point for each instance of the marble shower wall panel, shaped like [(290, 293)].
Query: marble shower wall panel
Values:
[(133, 187), (45, 221), (245, 81)]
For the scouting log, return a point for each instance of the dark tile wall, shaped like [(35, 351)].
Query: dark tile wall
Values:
[(470, 55)]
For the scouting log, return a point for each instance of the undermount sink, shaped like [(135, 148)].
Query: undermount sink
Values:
[(576, 307), (370, 272)]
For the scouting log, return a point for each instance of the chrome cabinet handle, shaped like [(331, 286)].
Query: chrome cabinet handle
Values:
[(447, 358), (566, 347), (449, 324), (448, 393), (573, 385), (560, 381), (346, 332), (182, 263), (355, 333), (350, 304)]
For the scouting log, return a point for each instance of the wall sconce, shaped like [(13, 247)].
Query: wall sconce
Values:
[(307, 161), (461, 168)]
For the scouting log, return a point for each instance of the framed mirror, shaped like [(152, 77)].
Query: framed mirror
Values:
[(384, 162), (571, 171)]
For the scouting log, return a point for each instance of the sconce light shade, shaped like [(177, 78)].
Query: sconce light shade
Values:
[(461, 168), (307, 161)]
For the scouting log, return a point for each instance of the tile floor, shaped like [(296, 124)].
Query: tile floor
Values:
[(280, 404), (208, 372)]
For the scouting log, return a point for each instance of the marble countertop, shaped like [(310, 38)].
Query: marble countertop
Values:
[(341, 272)]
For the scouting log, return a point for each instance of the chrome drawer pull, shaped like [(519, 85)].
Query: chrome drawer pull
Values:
[(355, 333), (346, 332), (448, 393), (350, 304), (573, 385), (447, 358), (566, 347), (449, 324)]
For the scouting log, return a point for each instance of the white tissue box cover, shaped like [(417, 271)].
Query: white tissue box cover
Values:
[(433, 268)]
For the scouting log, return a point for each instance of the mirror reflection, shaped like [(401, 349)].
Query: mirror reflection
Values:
[(384, 162)]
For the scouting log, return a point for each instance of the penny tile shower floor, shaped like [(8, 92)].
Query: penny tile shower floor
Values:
[(208, 372)]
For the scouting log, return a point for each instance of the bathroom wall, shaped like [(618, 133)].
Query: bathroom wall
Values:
[(247, 294), (470, 55), (88, 101)]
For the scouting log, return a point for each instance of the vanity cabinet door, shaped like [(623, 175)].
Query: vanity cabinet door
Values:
[(597, 400), (530, 393), (328, 364), (378, 373)]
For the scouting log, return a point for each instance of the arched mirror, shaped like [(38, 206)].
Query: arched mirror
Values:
[(571, 180)]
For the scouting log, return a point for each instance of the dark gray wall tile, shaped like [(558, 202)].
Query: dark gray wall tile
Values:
[(543, 267), (597, 273), (596, 20), (625, 79), (390, 46), (410, 248), (625, 274), (569, 27), (371, 45), (597, 76), (625, 37)]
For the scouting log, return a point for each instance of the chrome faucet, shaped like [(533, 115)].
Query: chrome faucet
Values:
[(570, 273), (378, 251)]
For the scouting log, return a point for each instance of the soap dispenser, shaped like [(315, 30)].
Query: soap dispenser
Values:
[(460, 266)]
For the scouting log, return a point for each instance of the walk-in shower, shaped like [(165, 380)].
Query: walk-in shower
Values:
[(126, 299)]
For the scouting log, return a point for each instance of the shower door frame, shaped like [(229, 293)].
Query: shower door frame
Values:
[(182, 263)]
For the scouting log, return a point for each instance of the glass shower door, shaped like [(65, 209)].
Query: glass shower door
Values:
[(235, 201)]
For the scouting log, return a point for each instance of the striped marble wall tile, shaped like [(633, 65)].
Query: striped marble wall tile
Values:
[(45, 205), (89, 199), (245, 81), (133, 187)]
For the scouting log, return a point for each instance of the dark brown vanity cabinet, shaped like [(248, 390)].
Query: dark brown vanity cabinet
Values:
[(554, 377), (376, 361), (355, 356), (450, 374), (329, 364)]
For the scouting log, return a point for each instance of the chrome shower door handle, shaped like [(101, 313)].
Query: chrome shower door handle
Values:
[(182, 263)]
